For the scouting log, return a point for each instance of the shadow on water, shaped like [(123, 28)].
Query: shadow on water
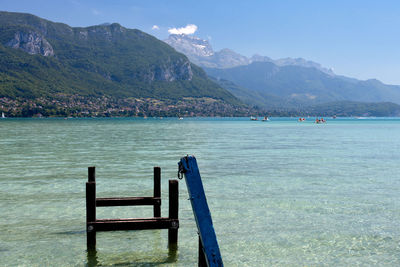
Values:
[(71, 232), (93, 261)]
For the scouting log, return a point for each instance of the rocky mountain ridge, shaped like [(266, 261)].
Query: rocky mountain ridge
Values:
[(201, 53)]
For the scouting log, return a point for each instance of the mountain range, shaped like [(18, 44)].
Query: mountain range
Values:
[(44, 59), (52, 69), (283, 83), (200, 52)]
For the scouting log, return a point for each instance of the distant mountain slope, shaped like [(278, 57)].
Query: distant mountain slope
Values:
[(39, 58), (279, 106), (305, 86), (252, 97), (201, 53)]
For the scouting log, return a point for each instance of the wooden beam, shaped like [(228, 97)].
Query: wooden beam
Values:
[(127, 201), (134, 224)]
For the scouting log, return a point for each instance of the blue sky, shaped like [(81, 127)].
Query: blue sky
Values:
[(359, 39)]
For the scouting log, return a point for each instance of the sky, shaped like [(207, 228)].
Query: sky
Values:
[(359, 39)]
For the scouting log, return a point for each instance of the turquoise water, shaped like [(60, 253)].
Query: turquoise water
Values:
[(281, 193)]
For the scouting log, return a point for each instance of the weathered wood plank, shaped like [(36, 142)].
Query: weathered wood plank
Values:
[(133, 224), (127, 201)]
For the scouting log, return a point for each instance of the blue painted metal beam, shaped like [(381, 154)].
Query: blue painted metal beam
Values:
[(188, 167)]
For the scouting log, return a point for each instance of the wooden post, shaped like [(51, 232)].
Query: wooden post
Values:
[(157, 191), (91, 174), (202, 257), (173, 213), (91, 208)]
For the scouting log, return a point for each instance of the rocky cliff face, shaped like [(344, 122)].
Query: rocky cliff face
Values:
[(171, 71), (32, 43)]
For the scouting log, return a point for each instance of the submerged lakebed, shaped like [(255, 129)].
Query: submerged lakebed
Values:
[(281, 193)]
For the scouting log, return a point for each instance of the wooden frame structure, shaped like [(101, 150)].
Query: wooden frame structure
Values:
[(94, 225)]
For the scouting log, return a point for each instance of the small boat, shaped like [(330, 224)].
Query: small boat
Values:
[(265, 119), (253, 118), (302, 119), (181, 118), (3, 116), (317, 120)]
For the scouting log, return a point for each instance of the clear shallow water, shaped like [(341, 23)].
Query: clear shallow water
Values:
[(281, 193)]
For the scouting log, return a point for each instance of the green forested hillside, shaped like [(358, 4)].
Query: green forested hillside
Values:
[(39, 58)]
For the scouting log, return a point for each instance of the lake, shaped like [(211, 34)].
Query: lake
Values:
[(281, 193)]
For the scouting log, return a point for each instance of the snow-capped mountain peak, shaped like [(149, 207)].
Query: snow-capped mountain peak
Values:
[(190, 45)]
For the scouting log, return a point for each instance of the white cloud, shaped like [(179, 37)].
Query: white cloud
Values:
[(189, 29), (155, 27)]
